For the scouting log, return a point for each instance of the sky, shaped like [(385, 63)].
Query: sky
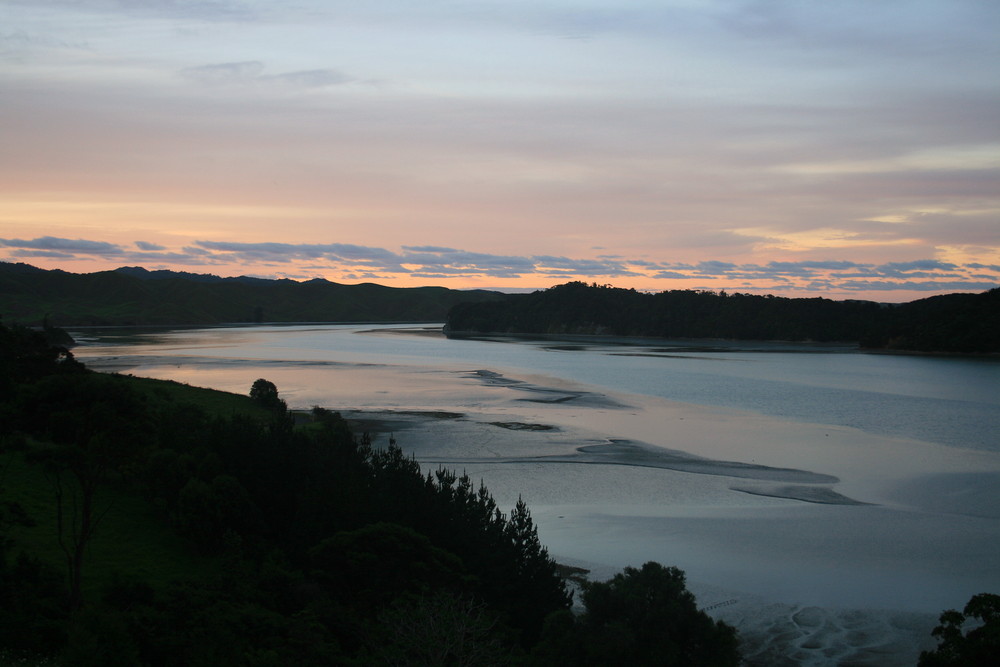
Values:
[(846, 149)]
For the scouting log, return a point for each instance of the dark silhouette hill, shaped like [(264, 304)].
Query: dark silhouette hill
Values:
[(962, 323), (135, 296)]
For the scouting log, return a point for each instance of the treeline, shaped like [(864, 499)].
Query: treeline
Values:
[(303, 543), (967, 323), (135, 296)]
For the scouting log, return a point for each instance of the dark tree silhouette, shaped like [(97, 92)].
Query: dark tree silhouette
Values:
[(642, 616), (979, 647), (264, 391), (965, 323), (266, 394), (440, 628)]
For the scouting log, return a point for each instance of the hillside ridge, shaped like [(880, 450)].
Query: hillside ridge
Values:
[(137, 296), (953, 323)]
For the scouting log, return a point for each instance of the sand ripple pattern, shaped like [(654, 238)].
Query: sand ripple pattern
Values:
[(779, 635)]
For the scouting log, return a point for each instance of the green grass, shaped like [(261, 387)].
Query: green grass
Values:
[(133, 540), (213, 401)]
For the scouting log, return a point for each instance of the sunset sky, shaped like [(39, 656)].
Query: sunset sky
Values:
[(847, 149)]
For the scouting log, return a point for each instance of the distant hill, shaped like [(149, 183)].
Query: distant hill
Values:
[(963, 323), (136, 296)]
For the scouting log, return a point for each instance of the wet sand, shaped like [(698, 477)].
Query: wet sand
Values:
[(818, 539), (821, 544), (765, 555)]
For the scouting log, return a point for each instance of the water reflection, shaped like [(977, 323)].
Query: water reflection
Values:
[(950, 401), (910, 440)]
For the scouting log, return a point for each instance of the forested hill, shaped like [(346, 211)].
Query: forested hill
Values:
[(134, 295), (966, 323)]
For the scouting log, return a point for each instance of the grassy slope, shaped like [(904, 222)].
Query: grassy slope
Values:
[(211, 400), (133, 539)]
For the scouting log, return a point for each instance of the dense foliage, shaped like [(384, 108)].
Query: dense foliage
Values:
[(642, 616), (979, 646), (305, 544), (318, 535), (136, 296), (968, 323)]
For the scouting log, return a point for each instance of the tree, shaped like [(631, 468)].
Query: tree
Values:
[(264, 391), (640, 617), (93, 426), (381, 561), (266, 394), (533, 586), (980, 646), (440, 628), (213, 514), (27, 355), (376, 565)]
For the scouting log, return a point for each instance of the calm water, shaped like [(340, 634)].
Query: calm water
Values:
[(915, 439), (950, 401)]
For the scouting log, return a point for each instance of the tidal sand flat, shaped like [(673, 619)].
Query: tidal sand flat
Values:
[(766, 514), (638, 512), (770, 540)]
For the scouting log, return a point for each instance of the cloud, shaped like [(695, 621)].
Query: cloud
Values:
[(460, 261), (714, 268), (72, 246), (583, 267), (225, 73), (314, 78), (834, 274), (919, 286), (43, 254), (287, 252), (167, 259), (422, 261), (252, 71), (51, 247), (673, 275), (202, 10), (359, 262), (428, 248), (196, 251), (18, 44), (920, 265)]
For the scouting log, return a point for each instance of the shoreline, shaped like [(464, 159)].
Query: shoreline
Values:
[(714, 344), (707, 507), (692, 343), (773, 628), (809, 579), (917, 547)]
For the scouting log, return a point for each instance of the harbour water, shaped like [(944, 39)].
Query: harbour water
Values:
[(780, 477)]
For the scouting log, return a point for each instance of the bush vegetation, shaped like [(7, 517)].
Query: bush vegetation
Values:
[(963, 323), (979, 646), (149, 523)]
